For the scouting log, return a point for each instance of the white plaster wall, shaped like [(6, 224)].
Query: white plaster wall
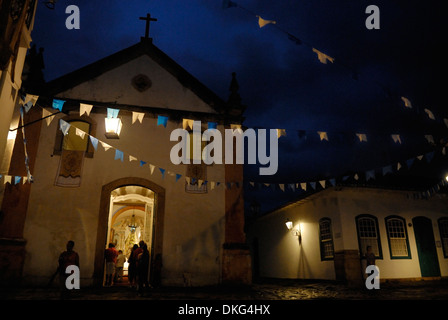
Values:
[(381, 204), (194, 223), (282, 257), (115, 86), (281, 254)]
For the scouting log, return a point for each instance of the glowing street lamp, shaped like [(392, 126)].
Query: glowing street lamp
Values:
[(113, 128)]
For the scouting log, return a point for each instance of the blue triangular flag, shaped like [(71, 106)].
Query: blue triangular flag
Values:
[(345, 178), (178, 176), (429, 156), (94, 142), (142, 163), (409, 162), (27, 106), (212, 125), (58, 104), (313, 185), (162, 120), (387, 169), (370, 175), (163, 172), (17, 179), (228, 4), (112, 113), (118, 155), (333, 182), (64, 126)]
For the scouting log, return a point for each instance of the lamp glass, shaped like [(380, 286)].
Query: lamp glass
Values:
[(113, 125), (289, 224)]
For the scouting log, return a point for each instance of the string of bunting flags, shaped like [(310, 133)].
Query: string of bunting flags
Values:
[(326, 59), (397, 138), (30, 101), (367, 175)]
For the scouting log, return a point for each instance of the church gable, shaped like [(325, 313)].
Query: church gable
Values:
[(141, 76)]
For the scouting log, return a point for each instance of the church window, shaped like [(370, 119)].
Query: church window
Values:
[(196, 172), (443, 228), (73, 141), (368, 235), (398, 238), (326, 239)]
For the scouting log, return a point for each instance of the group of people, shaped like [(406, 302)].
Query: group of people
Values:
[(138, 265)]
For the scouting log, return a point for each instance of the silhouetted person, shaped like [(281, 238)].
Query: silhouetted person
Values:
[(143, 268)]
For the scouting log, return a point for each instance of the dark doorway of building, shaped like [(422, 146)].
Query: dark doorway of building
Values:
[(427, 253), (131, 220)]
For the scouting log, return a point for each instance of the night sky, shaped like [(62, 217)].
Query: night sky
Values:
[(282, 83)]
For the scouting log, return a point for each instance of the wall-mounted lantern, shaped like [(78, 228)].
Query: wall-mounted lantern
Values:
[(296, 230)]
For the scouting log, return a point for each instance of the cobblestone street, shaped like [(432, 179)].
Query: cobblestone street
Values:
[(263, 290)]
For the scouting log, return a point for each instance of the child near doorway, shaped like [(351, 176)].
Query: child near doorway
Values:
[(119, 266)]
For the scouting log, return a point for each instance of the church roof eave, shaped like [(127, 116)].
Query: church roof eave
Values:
[(97, 68)]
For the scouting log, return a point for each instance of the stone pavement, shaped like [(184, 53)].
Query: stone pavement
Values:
[(267, 289)]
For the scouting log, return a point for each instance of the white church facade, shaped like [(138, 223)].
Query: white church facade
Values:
[(97, 186)]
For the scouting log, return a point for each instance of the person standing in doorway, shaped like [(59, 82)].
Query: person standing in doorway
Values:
[(119, 266), (110, 256), (143, 268), (132, 268)]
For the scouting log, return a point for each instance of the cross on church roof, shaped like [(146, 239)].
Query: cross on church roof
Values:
[(148, 21)]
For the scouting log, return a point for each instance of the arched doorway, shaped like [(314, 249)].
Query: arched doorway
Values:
[(131, 210)]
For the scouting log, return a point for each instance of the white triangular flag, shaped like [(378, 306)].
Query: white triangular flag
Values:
[(200, 182), (445, 120), (430, 114), (396, 138), (322, 183), (80, 133), (132, 158), (429, 138), (85, 108), (407, 103), (323, 58), (281, 132), (281, 186), (46, 114), (137, 116), (303, 185), (262, 22), (322, 135), (187, 180), (420, 157), (7, 179), (187, 124), (105, 146), (212, 185), (151, 167), (362, 137)]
